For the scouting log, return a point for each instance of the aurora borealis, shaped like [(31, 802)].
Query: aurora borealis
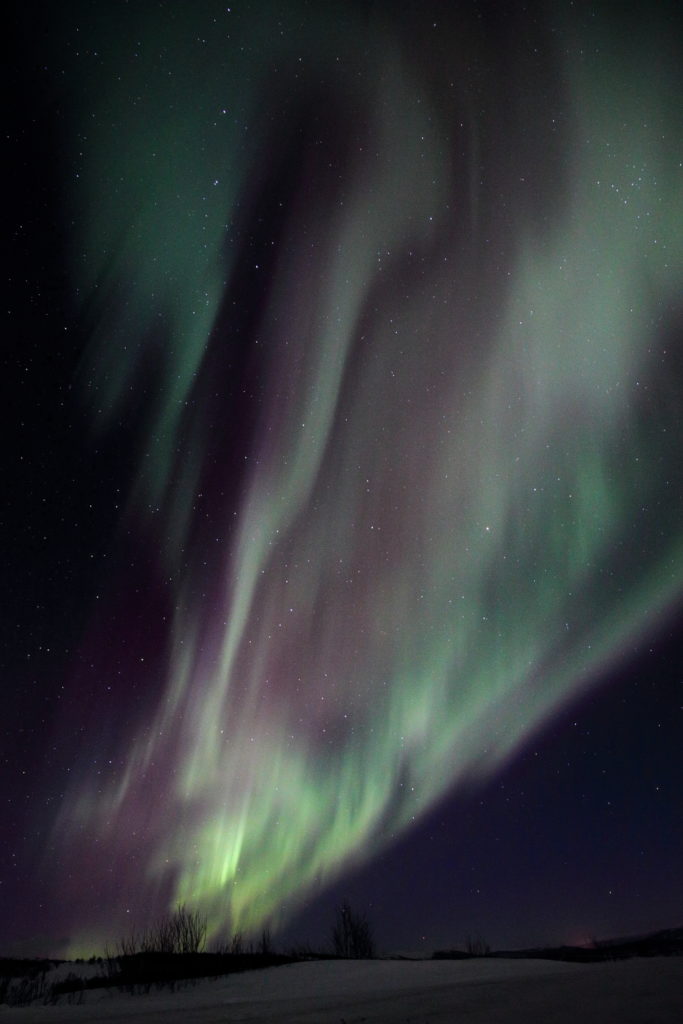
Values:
[(376, 313)]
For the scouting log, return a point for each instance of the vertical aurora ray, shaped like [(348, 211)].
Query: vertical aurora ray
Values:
[(458, 497)]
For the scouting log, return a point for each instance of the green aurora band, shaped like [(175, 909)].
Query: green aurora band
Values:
[(455, 511)]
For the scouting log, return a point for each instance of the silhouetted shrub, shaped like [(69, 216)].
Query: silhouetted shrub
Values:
[(352, 934), (183, 931), (476, 946)]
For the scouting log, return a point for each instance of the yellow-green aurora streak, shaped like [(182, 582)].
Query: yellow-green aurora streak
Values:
[(433, 548)]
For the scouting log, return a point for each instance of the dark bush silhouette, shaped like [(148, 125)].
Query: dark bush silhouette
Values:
[(352, 934), (183, 931), (477, 946)]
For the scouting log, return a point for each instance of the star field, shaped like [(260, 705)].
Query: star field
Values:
[(344, 519)]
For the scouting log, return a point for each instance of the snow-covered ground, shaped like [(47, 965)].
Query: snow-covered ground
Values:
[(423, 992)]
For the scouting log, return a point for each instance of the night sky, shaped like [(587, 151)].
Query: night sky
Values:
[(342, 490)]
